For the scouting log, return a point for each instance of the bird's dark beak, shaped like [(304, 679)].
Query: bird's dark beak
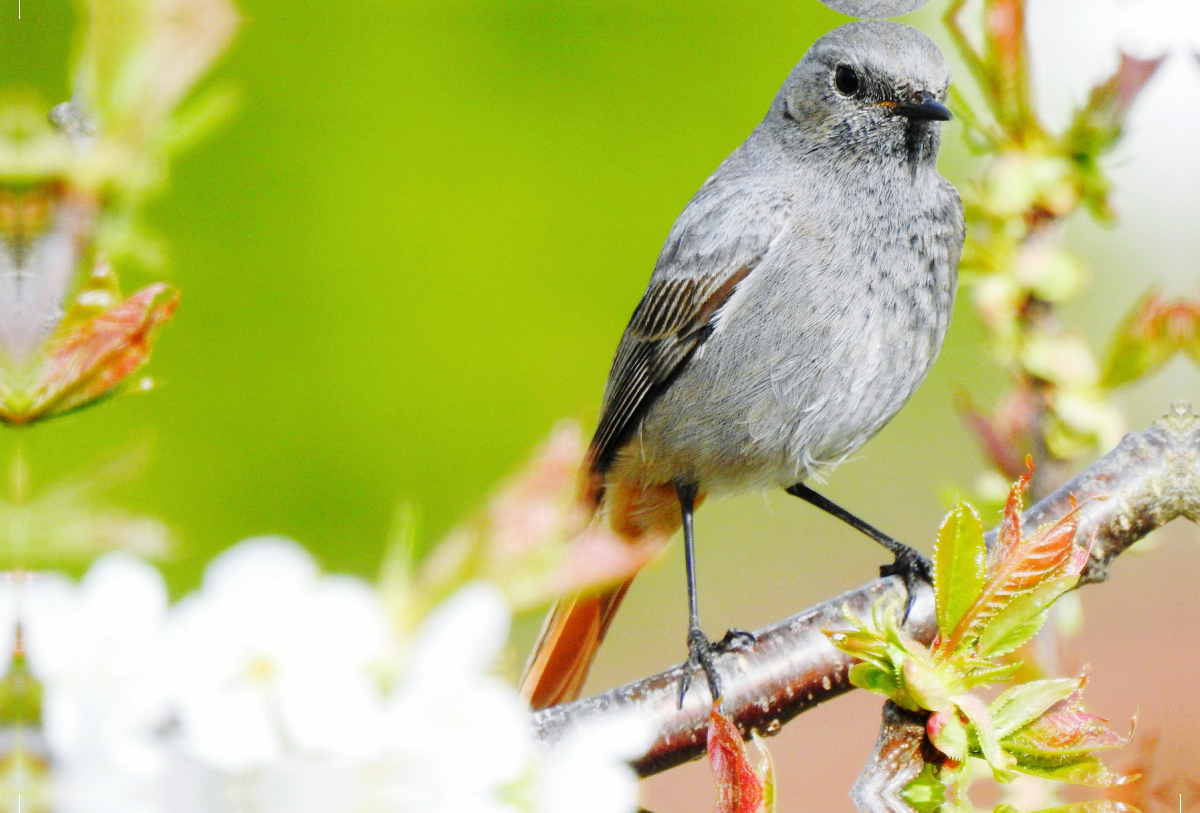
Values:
[(923, 107)]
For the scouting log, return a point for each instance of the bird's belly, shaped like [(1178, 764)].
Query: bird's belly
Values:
[(768, 401)]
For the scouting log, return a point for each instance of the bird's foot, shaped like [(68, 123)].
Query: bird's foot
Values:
[(735, 639), (700, 653), (913, 569)]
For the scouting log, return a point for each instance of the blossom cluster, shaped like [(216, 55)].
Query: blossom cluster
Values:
[(277, 688), (1061, 92)]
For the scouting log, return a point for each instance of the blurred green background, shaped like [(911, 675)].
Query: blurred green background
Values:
[(413, 249)]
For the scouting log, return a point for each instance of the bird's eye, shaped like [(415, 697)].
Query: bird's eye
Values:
[(845, 79)]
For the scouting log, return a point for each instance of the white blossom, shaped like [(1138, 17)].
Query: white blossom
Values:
[(93, 648), (265, 690), (269, 657), (588, 772)]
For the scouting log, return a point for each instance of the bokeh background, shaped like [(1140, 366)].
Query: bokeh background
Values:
[(413, 249)]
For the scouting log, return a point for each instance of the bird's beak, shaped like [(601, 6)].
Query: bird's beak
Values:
[(923, 107)]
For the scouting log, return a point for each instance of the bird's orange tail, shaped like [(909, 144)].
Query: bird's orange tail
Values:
[(563, 655), (567, 646)]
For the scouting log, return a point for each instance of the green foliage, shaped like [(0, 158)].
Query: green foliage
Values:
[(1016, 260), (989, 603), (20, 694), (926, 793), (137, 62), (960, 565), (69, 198), (1150, 335)]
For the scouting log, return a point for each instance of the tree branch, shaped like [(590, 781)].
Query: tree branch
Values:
[(1151, 478)]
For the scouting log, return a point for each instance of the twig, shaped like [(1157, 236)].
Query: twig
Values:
[(1151, 478), (898, 759)]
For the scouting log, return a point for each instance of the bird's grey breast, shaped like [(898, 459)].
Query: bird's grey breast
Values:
[(828, 337)]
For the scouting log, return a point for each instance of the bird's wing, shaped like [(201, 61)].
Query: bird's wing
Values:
[(720, 238)]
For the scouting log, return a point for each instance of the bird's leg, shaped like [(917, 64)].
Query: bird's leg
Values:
[(700, 651), (910, 565)]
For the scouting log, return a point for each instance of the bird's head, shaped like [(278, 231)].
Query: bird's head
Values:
[(870, 90)]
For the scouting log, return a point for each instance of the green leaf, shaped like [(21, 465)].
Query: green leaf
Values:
[(926, 793), (1141, 344), (948, 734), (1023, 704), (198, 117), (926, 684), (766, 771), (984, 730), (1087, 770), (1021, 618), (880, 681), (960, 566), (1018, 566), (1017, 637), (866, 646), (977, 674), (1094, 806)]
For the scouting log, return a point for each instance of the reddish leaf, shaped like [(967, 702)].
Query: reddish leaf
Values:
[(1010, 525), (1066, 730), (1016, 565), (1113, 98), (1073, 701), (739, 787), (600, 556), (1023, 567), (998, 437), (1079, 556), (1184, 320), (91, 359), (539, 503), (1151, 333), (1069, 732), (1004, 25)]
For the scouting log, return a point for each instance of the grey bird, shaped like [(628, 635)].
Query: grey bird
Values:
[(800, 299)]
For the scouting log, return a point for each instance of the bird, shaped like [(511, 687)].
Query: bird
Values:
[(797, 303)]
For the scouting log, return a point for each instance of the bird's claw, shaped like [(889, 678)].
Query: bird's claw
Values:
[(700, 653), (914, 569)]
